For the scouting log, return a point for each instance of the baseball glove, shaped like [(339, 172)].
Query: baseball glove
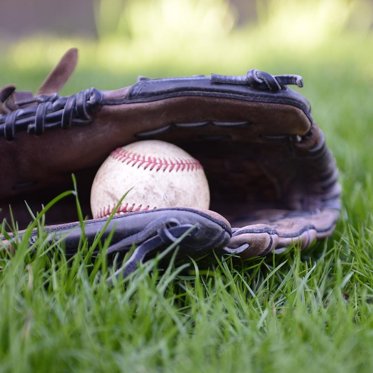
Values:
[(273, 181)]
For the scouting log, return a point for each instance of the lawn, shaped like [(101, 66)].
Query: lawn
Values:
[(309, 312)]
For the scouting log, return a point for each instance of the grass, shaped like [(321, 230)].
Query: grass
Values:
[(314, 314), (309, 312)]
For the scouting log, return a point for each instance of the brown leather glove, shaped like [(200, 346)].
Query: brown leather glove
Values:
[(270, 173)]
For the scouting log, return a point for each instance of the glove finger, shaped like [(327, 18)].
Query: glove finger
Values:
[(299, 229)]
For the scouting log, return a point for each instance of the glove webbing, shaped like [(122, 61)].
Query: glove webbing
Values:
[(50, 112)]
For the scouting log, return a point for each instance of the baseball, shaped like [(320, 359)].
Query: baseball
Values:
[(149, 174)]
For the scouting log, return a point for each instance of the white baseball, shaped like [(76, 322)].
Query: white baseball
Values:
[(150, 174)]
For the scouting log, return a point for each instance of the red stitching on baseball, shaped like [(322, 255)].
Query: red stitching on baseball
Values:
[(159, 164), (125, 208)]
